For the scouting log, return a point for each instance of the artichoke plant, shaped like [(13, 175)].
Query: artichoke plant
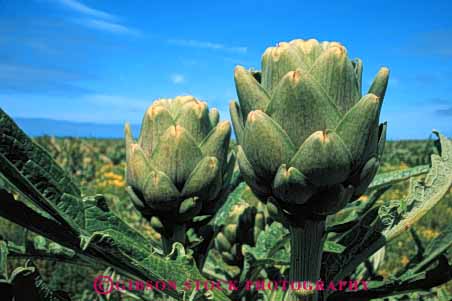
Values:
[(178, 165), (309, 141)]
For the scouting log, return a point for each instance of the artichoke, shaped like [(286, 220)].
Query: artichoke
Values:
[(309, 141), (180, 162), (244, 224)]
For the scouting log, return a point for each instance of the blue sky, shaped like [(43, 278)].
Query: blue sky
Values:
[(105, 60)]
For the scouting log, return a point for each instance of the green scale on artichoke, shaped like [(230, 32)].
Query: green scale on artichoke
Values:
[(308, 140), (180, 165)]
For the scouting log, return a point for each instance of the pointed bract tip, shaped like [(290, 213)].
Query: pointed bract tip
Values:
[(384, 70), (282, 45), (213, 162), (322, 136), (186, 98), (338, 50), (134, 147), (254, 115), (224, 125), (154, 110), (295, 76), (128, 132), (178, 130), (276, 52), (373, 98), (171, 131), (239, 69), (233, 104)]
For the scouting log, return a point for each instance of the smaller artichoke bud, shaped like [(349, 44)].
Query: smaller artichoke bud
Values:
[(157, 224), (243, 225), (259, 224), (180, 162), (230, 232)]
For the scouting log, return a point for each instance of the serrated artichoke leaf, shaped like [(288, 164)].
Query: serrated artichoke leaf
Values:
[(266, 144), (301, 106), (424, 195)]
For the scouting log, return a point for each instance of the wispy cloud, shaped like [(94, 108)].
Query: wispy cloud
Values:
[(19, 78), (97, 19), (437, 43), (207, 45), (106, 26), (440, 101), (177, 78), (444, 112), (16, 72), (84, 9)]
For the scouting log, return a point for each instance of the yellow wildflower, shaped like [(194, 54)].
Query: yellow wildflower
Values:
[(364, 198), (404, 260), (429, 233)]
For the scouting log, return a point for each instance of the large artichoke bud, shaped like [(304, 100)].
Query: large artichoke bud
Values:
[(179, 163), (307, 137), (309, 141)]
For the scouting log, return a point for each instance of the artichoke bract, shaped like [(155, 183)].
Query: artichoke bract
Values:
[(180, 162), (308, 138)]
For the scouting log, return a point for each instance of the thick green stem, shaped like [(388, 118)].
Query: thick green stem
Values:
[(175, 233), (306, 254)]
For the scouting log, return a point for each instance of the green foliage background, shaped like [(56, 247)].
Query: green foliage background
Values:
[(98, 165)]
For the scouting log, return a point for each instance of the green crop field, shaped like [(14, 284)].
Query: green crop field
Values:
[(98, 165)]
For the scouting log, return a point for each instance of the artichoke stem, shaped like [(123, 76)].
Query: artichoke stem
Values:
[(172, 234), (306, 254)]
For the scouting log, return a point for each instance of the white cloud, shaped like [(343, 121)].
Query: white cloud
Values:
[(107, 26), (25, 72), (177, 78), (84, 9), (97, 19), (208, 45)]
